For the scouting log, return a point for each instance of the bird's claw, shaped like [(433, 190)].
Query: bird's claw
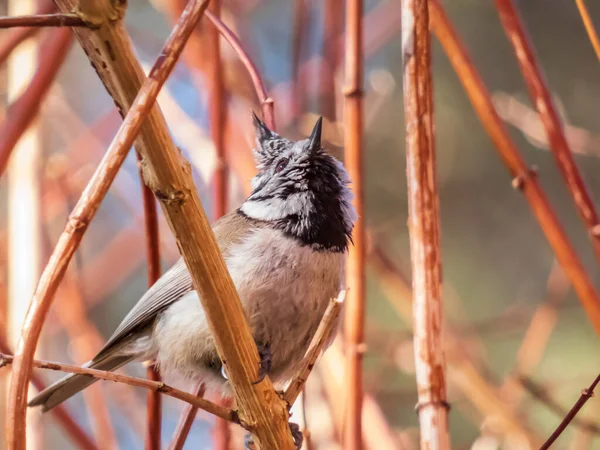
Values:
[(264, 351), (296, 434)]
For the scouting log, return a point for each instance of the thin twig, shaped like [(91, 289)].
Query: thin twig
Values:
[(423, 226), (186, 419), (355, 268), (265, 101), (586, 394), (589, 26), (79, 220), (540, 97), (323, 335), (72, 429), (22, 111), (201, 403), (43, 20), (524, 179)]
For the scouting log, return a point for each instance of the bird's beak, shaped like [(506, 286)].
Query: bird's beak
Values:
[(314, 141)]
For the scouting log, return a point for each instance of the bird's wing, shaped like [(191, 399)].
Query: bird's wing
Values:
[(176, 282)]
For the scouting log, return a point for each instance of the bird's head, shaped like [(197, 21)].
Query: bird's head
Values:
[(301, 189)]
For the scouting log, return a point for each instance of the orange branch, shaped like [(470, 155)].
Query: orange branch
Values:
[(355, 268), (185, 422), (589, 26), (540, 97), (524, 179)]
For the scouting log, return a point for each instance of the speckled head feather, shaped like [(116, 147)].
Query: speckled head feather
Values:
[(301, 189)]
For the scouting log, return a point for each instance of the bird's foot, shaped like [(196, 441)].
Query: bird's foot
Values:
[(264, 351), (296, 434)]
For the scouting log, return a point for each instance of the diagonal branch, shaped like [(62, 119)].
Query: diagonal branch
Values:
[(185, 422), (323, 335), (85, 210), (157, 386), (540, 97), (524, 179)]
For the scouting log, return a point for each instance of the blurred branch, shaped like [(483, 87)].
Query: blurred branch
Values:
[(113, 37), (300, 27), (541, 394), (22, 111), (354, 332), (186, 419), (423, 202), (527, 120), (11, 39), (524, 179), (586, 394), (158, 386), (330, 59), (265, 101), (540, 97), (323, 335), (43, 20), (589, 26)]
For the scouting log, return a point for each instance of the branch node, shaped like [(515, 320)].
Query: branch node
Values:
[(519, 181), (435, 403)]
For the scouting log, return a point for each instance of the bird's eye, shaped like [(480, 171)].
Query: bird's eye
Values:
[(281, 165)]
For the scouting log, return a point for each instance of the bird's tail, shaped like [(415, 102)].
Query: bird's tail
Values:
[(70, 385)]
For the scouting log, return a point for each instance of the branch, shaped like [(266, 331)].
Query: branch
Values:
[(323, 335), (155, 386), (540, 97), (22, 111), (266, 102), (589, 26), (586, 394), (524, 179), (43, 20), (355, 267), (90, 200), (423, 226), (185, 422)]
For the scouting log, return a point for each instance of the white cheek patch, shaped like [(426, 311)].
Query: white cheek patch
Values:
[(277, 208)]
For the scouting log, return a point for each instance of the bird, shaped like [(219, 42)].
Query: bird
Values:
[(285, 248)]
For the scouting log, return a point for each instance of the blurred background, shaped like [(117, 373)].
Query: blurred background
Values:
[(520, 348)]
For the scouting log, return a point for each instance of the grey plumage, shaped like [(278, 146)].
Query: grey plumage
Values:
[(284, 249)]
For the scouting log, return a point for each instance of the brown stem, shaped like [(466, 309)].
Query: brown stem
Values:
[(524, 179), (354, 330), (323, 335), (540, 97), (43, 20), (265, 101), (586, 394), (355, 268), (157, 386), (11, 39), (186, 419), (423, 226), (22, 112), (81, 216)]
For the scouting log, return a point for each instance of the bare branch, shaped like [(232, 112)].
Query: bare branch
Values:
[(355, 267), (589, 26), (156, 386), (185, 422), (524, 179), (43, 20), (323, 335), (586, 394), (540, 97), (266, 102), (423, 226)]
